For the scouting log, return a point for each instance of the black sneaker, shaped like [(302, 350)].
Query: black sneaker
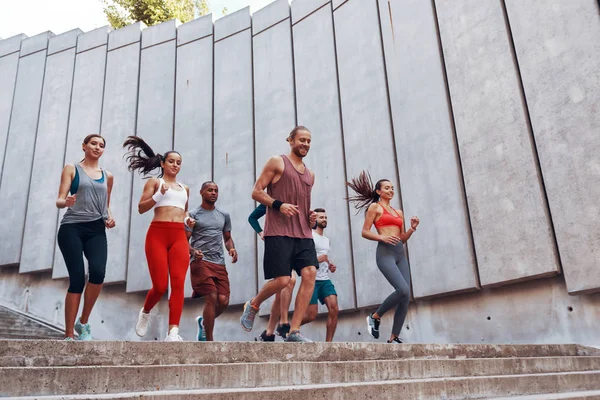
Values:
[(395, 340), (373, 326), (265, 338), (283, 330)]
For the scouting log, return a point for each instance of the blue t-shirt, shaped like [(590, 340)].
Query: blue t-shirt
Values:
[(207, 235)]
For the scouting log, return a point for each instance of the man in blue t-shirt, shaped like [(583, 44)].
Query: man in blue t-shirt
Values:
[(208, 273)]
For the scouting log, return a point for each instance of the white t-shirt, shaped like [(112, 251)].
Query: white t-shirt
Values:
[(322, 248)]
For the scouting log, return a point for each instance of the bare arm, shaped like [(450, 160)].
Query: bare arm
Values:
[(273, 165), (146, 201), (405, 235), (372, 213), (230, 246), (66, 178), (110, 222), (187, 189)]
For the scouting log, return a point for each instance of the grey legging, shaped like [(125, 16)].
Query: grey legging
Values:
[(393, 265)]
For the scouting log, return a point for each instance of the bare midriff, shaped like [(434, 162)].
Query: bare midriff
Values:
[(389, 230), (169, 214)]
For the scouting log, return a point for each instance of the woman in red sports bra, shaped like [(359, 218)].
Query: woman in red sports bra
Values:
[(390, 257)]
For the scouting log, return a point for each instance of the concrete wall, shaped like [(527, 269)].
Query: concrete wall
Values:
[(484, 121)]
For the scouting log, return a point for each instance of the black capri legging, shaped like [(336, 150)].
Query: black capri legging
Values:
[(75, 240)]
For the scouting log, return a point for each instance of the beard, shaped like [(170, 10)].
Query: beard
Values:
[(296, 151), (322, 225)]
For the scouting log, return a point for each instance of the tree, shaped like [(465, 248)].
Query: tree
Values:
[(121, 13)]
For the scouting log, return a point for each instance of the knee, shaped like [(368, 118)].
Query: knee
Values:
[(211, 298), (223, 301), (76, 286), (311, 314), (97, 275), (292, 282), (309, 273), (403, 295), (281, 282), (161, 288), (334, 310)]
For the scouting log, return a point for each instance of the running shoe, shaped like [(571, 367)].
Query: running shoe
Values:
[(265, 338), (201, 334), (297, 337), (395, 340), (83, 330), (247, 318), (173, 335), (141, 327), (373, 326), (69, 339), (282, 330)]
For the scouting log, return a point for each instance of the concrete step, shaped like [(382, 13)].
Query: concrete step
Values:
[(21, 353), (437, 388), (119, 379), (585, 395)]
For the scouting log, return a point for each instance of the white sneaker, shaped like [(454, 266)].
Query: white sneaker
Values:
[(173, 335), (141, 327)]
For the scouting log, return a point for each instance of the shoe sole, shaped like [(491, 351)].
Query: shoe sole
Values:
[(371, 332), (247, 304)]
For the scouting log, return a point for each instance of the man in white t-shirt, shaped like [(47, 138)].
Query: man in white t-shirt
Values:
[(324, 289)]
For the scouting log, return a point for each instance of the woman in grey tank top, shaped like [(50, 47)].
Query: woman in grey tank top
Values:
[(85, 192)]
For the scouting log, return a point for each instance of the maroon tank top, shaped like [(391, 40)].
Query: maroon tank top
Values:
[(292, 188)]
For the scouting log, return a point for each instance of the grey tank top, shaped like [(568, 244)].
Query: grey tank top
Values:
[(292, 188), (91, 202)]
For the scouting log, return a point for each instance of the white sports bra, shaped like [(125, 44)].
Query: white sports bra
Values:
[(172, 198)]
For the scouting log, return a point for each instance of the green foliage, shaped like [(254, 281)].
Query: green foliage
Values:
[(121, 13)]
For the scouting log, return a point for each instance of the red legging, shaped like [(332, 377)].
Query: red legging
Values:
[(168, 254)]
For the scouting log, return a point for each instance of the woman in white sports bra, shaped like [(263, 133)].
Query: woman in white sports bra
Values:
[(167, 250)]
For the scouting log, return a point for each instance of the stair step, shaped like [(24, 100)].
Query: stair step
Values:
[(20, 353), (438, 388), (585, 395), (117, 379)]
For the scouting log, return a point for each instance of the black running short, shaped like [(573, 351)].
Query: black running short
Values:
[(283, 254)]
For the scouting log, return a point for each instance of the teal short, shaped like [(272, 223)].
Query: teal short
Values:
[(323, 289)]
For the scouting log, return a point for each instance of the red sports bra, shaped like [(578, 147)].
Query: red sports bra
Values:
[(388, 219)]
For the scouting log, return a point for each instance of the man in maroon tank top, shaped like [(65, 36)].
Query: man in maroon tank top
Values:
[(288, 236)]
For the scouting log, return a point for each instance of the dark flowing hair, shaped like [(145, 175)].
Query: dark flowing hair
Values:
[(366, 193), (141, 157)]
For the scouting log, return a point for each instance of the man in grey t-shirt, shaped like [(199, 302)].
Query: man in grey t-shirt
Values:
[(208, 273)]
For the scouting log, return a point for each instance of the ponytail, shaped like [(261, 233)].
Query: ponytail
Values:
[(366, 193), (141, 157)]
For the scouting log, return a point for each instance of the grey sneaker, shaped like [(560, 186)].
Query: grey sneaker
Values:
[(373, 326), (297, 337), (247, 318)]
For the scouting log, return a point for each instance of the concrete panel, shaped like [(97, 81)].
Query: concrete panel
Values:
[(274, 108), (9, 65), (18, 159), (318, 105), (11, 44), (302, 8), (558, 49), (64, 41), (35, 43), (155, 126), (337, 3), (194, 110), (119, 112), (441, 252), (365, 110), (270, 15), (86, 110), (504, 192), (89, 40), (195, 30), (130, 34), (160, 33), (39, 240), (232, 23), (233, 154)]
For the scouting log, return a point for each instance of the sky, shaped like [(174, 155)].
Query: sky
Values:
[(36, 16)]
